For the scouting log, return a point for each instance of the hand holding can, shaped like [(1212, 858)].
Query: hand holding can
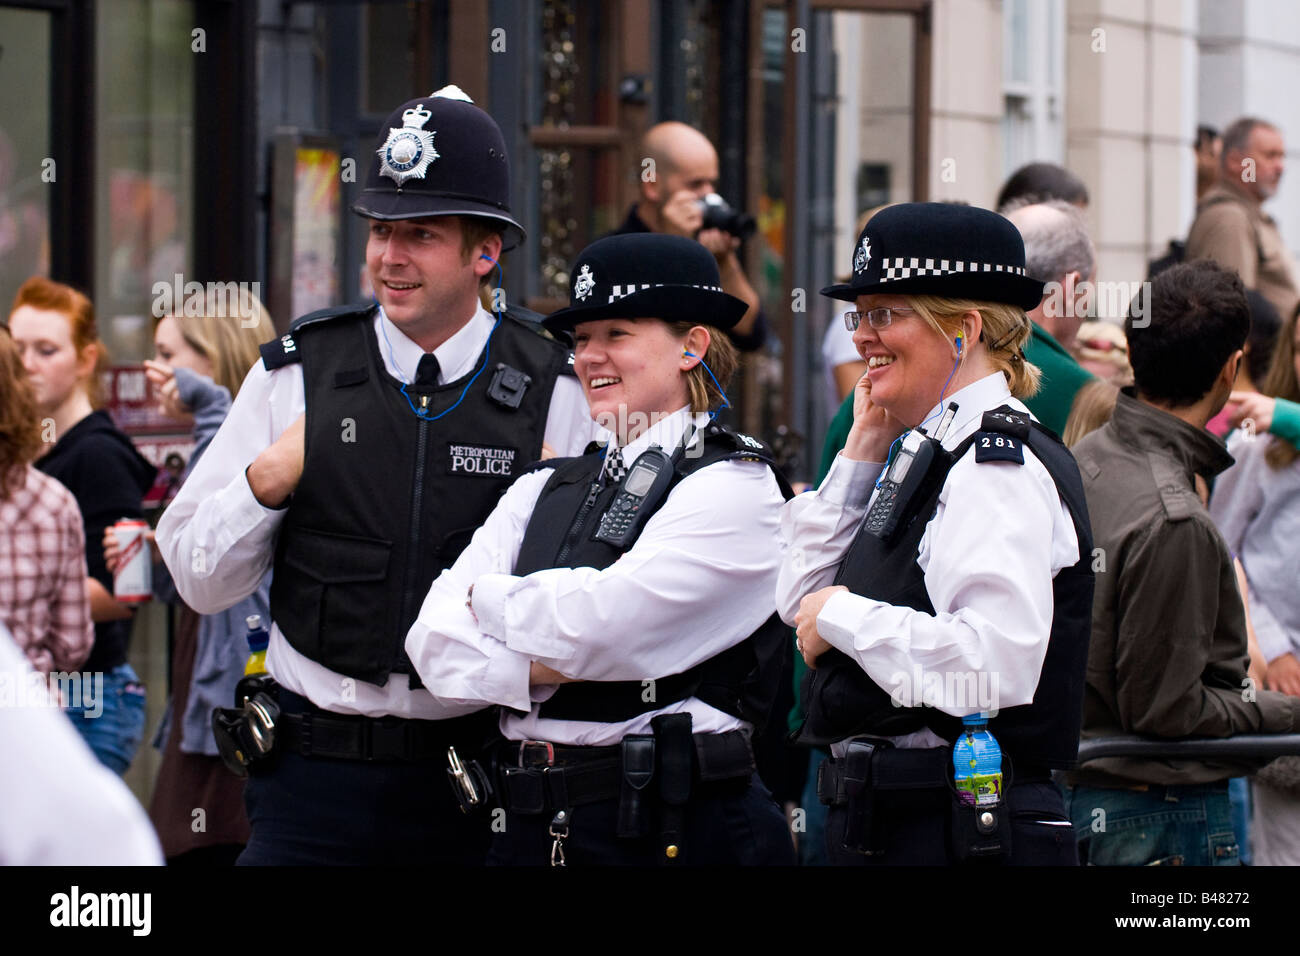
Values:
[(133, 577)]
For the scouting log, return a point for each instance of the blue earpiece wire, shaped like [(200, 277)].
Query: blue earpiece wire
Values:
[(487, 350), (726, 402)]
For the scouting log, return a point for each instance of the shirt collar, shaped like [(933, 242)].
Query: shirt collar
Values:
[(456, 356), (666, 433), (1144, 426), (972, 402)]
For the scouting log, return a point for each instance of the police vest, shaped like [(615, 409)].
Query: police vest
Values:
[(844, 701), (387, 499), (742, 681)]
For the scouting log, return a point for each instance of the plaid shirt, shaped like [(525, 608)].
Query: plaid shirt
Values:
[(43, 598)]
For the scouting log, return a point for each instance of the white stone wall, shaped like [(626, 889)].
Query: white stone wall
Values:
[(1250, 65)]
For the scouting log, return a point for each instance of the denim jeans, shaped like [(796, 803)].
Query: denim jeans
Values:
[(114, 726), (1162, 826), (1239, 794)]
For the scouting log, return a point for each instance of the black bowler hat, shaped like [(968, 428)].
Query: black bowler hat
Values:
[(441, 155), (647, 275), (933, 248)]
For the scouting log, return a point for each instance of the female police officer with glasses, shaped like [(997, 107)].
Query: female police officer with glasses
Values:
[(943, 568), (608, 602)]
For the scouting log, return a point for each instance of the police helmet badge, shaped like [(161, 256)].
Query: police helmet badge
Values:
[(585, 283), (408, 151), (863, 256)]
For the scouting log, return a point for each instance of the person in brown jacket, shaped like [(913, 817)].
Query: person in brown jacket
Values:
[(1168, 650), (1231, 227)]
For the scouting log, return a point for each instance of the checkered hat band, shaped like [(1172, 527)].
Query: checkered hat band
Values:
[(907, 268), (620, 291)]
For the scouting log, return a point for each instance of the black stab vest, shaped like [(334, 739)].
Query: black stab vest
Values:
[(387, 500), (844, 701), (741, 681)]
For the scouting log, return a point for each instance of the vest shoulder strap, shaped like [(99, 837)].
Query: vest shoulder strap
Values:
[(1048, 449), (284, 351), (726, 444)]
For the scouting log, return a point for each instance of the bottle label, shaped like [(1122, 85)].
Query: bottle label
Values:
[(977, 768)]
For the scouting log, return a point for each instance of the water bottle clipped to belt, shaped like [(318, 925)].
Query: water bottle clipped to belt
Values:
[(981, 825)]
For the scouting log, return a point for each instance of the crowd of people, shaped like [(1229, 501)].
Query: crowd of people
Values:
[(530, 603)]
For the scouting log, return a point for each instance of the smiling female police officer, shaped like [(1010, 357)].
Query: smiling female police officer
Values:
[(612, 596), (962, 584)]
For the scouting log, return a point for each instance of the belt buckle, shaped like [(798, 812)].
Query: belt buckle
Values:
[(533, 753)]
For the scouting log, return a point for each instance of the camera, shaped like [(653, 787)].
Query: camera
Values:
[(719, 215)]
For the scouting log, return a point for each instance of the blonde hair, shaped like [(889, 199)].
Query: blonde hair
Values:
[(1093, 406), (1005, 326), (226, 329), (1281, 382), (720, 356)]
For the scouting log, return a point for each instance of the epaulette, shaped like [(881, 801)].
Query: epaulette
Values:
[(747, 447), (280, 352), (284, 351), (1002, 436)]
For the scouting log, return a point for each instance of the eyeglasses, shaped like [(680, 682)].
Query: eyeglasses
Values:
[(876, 318)]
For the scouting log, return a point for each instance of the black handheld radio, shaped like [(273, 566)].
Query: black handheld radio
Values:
[(644, 486), (904, 476)]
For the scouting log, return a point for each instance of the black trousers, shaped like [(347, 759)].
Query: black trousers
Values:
[(309, 811), (319, 811), (729, 823), (913, 826)]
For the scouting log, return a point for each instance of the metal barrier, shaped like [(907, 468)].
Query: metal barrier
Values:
[(1243, 745)]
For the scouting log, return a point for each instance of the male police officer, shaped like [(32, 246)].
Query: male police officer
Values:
[(361, 455)]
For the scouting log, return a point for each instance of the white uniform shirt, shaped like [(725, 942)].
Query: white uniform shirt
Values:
[(989, 554), (218, 540), (59, 806), (698, 580)]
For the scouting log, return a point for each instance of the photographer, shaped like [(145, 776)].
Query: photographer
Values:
[(685, 171)]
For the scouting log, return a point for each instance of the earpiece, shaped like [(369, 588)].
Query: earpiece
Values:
[(488, 258), (958, 342), (687, 354)]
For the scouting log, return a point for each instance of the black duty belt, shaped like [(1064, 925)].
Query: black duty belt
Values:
[(311, 731), (907, 769), (539, 777)]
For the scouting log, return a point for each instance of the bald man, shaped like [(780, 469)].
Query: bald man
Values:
[(685, 170), (1059, 252)]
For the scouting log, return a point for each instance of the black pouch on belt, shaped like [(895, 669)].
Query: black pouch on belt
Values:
[(981, 834), (676, 752), (859, 832), (633, 796)]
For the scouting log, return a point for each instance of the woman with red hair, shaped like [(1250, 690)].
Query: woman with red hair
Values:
[(53, 326)]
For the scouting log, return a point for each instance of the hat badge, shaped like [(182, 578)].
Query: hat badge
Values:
[(408, 151), (863, 255), (585, 282)]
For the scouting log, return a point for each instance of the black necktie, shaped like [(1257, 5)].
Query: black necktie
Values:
[(426, 373)]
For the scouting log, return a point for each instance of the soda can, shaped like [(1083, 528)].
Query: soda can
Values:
[(133, 581)]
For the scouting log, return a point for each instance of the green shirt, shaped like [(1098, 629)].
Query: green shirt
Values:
[(1062, 379)]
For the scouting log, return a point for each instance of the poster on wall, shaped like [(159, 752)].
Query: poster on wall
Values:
[(306, 224)]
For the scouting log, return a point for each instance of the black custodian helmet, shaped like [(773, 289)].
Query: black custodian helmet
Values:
[(441, 155)]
